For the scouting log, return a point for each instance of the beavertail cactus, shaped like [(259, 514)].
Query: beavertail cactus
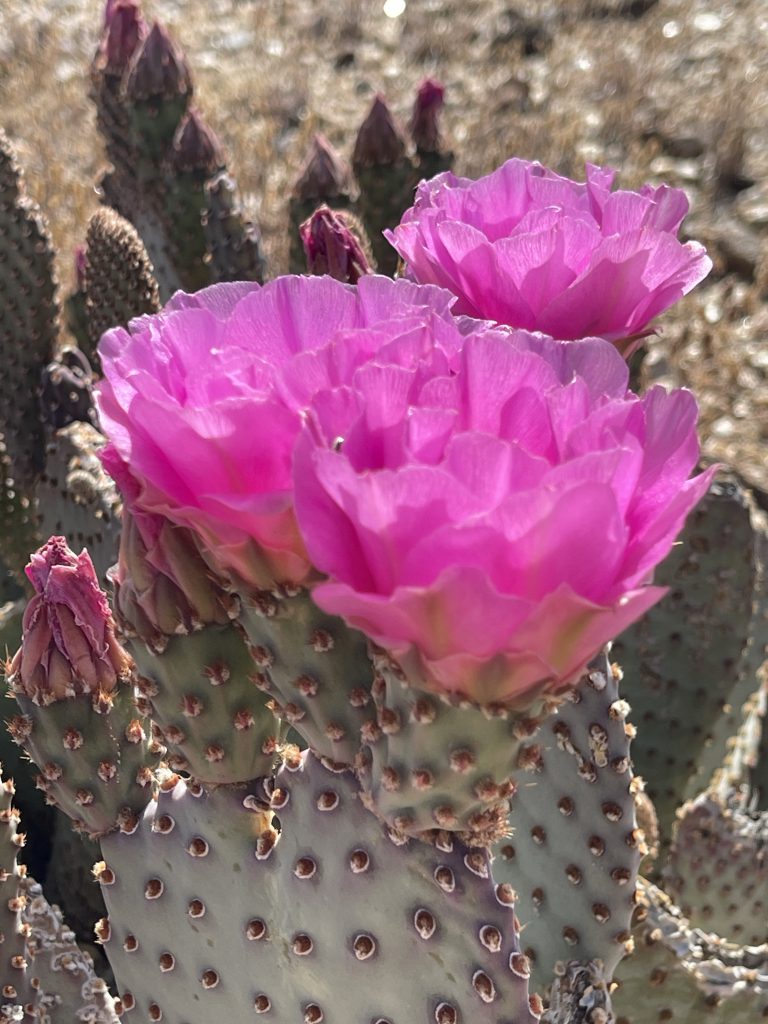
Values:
[(419, 930)]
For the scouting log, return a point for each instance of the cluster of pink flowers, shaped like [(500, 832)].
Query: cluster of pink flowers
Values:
[(486, 503)]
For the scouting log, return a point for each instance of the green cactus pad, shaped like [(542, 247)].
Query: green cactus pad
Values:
[(67, 987), (15, 976), (140, 203), (214, 915), (682, 975), (202, 694), (93, 754), (685, 660), (717, 871), (435, 763), (573, 852), (28, 319), (316, 669), (119, 279), (232, 242), (77, 499)]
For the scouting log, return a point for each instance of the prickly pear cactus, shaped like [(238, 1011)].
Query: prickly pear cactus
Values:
[(77, 499), (433, 763), (330, 919), (717, 871), (28, 334), (573, 851), (316, 670), (119, 278), (16, 990), (28, 316), (207, 705), (681, 974), (692, 657), (232, 242)]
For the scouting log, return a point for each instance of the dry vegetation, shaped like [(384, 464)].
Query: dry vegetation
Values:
[(671, 90)]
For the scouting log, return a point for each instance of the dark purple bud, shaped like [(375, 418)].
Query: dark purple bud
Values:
[(124, 30), (80, 261), (325, 175), (423, 125), (69, 646), (196, 147), (380, 140), (159, 68), (331, 248)]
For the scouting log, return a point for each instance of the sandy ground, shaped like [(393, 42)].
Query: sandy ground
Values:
[(673, 90)]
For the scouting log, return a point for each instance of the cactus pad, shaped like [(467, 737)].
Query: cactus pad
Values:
[(329, 919), (683, 660), (93, 754), (119, 279), (202, 694), (434, 763), (718, 868), (316, 669), (682, 975), (574, 851), (77, 498)]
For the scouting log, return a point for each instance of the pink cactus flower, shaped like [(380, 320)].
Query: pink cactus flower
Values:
[(492, 527), (69, 644), (528, 248), (203, 402)]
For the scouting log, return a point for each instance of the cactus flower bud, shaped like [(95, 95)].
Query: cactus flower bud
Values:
[(196, 147), (159, 68), (423, 124), (124, 30), (325, 175), (80, 263), (332, 248), (380, 140), (162, 586), (69, 646)]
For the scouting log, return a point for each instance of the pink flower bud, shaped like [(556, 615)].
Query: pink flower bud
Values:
[(325, 175), (423, 124), (159, 68), (124, 30), (380, 140), (331, 248), (80, 263), (196, 146), (162, 585), (69, 646)]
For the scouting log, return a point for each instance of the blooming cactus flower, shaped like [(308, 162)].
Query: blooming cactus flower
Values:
[(528, 248), (493, 527), (69, 643), (203, 401)]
